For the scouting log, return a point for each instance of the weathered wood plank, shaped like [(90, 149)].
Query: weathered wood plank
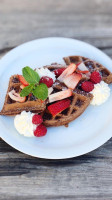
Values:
[(24, 20), (83, 177)]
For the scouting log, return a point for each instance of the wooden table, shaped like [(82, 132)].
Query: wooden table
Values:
[(87, 177)]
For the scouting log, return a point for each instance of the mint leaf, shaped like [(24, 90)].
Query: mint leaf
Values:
[(30, 75), (26, 91), (41, 91)]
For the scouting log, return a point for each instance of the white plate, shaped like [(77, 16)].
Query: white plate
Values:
[(86, 133)]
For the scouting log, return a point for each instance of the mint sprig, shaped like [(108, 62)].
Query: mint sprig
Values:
[(30, 75), (41, 91), (38, 90), (27, 90)]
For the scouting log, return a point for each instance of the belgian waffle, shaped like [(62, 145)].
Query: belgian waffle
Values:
[(11, 107), (92, 66)]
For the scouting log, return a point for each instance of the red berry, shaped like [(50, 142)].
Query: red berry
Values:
[(87, 86), (22, 80), (95, 77), (46, 80), (59, 71), (37, 119), (59, 106), (40, 131)]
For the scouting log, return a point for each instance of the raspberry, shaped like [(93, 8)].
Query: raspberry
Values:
[(58, 72), (95, 77), (40, 131), (37, 119), (46, 80), (87, 86), (59, 106)]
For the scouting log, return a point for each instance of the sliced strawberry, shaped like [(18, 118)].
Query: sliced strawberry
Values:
[(88, 75), (59, 106), (58, 72), (72, 80), (60, 95), (42, 101), (16, 97), (22, 80), (82, 67), (83, 72), (77, 64), (69, 70), (50, 90), (22, 86)]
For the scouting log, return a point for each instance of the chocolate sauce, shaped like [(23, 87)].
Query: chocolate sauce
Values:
[(15, 80), (104, 73), (89, 65)]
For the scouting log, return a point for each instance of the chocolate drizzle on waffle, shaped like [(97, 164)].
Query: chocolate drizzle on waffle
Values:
[(12, 107), (92, 66)]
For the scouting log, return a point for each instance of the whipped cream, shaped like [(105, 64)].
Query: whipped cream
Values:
[(23, 124), (46, 72), (101, 93)]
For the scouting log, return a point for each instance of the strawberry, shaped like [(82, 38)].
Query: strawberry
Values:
[(50, 90), (87, 86), (58, 72), (72, 80), (40, 131), (46, 80), (83, 72), (68, 71), (22, 86), (77, 64), (22, 80), (59, 106), (60, 95), (37, 119), (82, 67), (95, 77), (42, 101)]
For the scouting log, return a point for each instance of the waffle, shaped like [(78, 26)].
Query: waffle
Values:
[(54, 66), (79, 102), (92, 66), (11, 107)]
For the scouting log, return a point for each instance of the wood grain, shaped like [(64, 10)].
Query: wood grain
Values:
[(24, 20), (86, 177)]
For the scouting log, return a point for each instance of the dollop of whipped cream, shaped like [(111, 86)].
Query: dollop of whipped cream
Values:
[(46, 72), (23, 124), (101, 93)]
